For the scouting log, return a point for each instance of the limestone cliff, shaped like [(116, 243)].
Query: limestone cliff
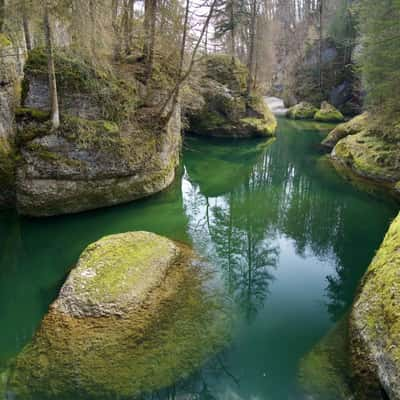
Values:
[(8, 95), (108, 150), (218, 105)]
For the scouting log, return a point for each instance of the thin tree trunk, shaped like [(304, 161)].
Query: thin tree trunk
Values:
[(250, 62), (150, 33), (55, 112), (321, 8), (27, 31), (233, 30), (2, 14)]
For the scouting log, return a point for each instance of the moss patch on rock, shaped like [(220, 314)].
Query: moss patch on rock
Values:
[(375, 322), (324, 372), (302, 110), (328, 113), (369, 156), (176, 324), (355, 125)]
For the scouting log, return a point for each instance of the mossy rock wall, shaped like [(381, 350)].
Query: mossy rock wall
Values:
[(225, 109), (105, 151), (152, 325), (8, 100), (375, 323)]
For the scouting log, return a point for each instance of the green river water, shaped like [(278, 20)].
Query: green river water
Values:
[(289, 237)]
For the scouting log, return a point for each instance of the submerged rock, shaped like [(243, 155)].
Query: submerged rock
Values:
[(355, 125), (324, 373), (302, 110), (134, 316), (224, 109), (103, 153), (328, 113), (375, 323)]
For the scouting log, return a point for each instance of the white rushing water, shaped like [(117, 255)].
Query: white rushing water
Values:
[(276, 105)]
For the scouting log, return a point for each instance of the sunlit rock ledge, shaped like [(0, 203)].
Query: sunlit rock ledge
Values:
[(134, 316)]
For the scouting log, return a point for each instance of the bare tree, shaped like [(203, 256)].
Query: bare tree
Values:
[(55, 112), (150, 36)]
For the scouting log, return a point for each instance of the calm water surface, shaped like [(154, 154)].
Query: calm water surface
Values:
[(289, 237)]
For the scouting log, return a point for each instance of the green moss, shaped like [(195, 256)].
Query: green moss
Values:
[(7, 164), (328, 113), (260, 126), (4, 41), (302, 110), (111, 127), (32, 113)]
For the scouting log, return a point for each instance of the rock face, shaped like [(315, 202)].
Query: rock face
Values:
[(302, 110), (375, 323), (223, 109), (328, 113), (8, 82), (355, 125), (101, 155), (133, 317)]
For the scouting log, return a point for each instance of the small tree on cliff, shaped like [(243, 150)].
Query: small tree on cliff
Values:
[(55, 111)]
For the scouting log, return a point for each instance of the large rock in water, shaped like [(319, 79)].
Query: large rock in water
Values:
[(217, 104), (371, 156), (8, 81), (355, 125), (106, 151), (133, 317), (328, 113), (375, 323), (302, 110)]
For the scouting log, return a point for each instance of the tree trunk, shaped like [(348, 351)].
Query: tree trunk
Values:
[(27, 32), (321, 8), (2, 14), (233, 30), (150, 33), (55, 112), (251, 54)]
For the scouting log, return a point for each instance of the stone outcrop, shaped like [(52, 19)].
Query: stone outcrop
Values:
[(219, 106), (303, 110), (8, 95), (134, 316), (355, 125), (371, 156), (102, 154), (375, 324), (328, 113)]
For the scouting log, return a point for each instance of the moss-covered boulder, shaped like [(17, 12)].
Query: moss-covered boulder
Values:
[(224, 108), (328, 113), (355, 125), (375, 323), (324, 373), (369, 155), (302, 110), (108, 150), (8, 99), (134, 316)]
